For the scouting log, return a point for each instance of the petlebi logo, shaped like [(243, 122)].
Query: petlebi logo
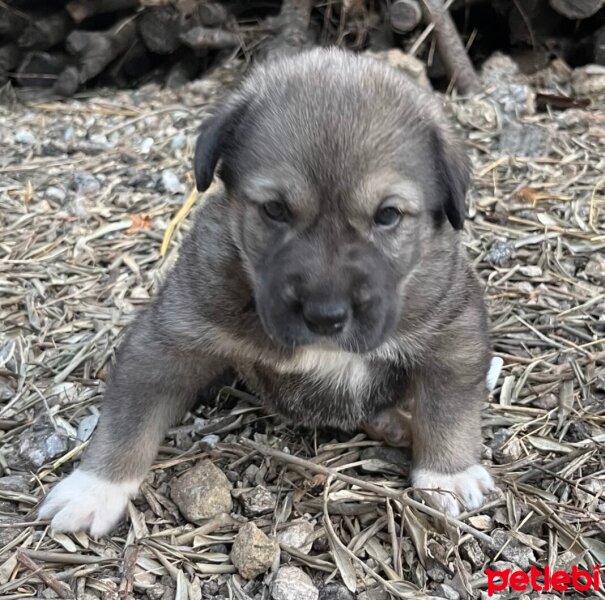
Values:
[(544, 580)]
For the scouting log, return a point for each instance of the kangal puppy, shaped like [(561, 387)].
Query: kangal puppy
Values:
[(328, 272)]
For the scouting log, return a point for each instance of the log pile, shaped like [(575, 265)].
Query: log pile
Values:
[(68, 45)]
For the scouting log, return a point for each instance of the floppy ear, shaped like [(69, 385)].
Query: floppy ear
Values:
[(454, 171), (214, 135)]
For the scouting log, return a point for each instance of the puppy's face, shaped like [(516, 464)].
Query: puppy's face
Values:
[(340, 181)]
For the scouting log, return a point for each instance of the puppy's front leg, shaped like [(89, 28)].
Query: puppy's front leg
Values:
[(446, 430), (153, 384)]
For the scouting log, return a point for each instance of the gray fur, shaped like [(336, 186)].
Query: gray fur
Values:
[(332, 135)]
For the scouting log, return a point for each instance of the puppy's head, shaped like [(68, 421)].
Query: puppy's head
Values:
[(341, 178)]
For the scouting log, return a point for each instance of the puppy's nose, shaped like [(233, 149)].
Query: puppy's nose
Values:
[(325, 318)]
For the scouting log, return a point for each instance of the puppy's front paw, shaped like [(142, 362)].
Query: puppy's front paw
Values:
[(446, 491), (85, 501)]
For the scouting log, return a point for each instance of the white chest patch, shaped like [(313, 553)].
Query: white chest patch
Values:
[(343, 370)]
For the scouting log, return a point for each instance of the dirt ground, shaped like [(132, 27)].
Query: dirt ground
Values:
[(88, 189)]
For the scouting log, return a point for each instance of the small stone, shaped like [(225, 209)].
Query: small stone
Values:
[(170, 182), (481, 522), (86, 183), (8, 534), (477, 113), (436, 574), (257, 501), (146, 145), (292, 583), (143, 578), (14, 483), (210, 441), (445, 591), (386, 457), (531, 271), (38, 447), (297, 536), (178, 141), (87, 426), (251, 472), (55, 193), (588, 80), (156, 592), (377, 593), (595, 267), (335, 591), (253, 552), (547, 401), (508, 452), (472, 552), (25, 136), (507, 86), (100, 140), (512, 550), (500, 253), (202, 492)]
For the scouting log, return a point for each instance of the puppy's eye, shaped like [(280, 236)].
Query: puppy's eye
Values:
[(276, 211), (388, 216)]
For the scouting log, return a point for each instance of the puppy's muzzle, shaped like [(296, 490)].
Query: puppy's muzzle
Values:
[(326, 317)]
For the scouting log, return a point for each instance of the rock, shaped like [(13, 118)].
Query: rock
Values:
[(257, 501), (251, 472), (87, 426), (86, 183), (507, 86), (146, 145), (445, 591), (202, 492), (210, 441), (477, 113), (14, 483), (37, 447), (472, 552), (588, 80), (513, 550), (522, 140), (170, 183), (297, 536), (437, 574), (381, 457), (178, 141), (410, 65), (8, 534), (508, 452), (55, 193), (253, 552), (377, 593), (531, 271), (25, 136), (100, 140), (292, 583), (500, 253), (335, 591), (595, 267)]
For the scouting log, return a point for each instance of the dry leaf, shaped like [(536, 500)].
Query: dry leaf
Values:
[(138, 223)]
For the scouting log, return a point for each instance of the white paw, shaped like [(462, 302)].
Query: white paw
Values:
[(85, 501), (446, 491)]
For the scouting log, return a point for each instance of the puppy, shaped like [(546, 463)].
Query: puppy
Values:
[(328, 272)]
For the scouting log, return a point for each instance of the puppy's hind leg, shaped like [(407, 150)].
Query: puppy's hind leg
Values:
[(153, 384)]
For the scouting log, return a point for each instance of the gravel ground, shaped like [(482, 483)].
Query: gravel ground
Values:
[(89, 189)]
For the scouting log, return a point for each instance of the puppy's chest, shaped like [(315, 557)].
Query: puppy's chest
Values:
[(320, 388)]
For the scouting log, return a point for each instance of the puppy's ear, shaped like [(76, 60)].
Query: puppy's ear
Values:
[(454, 172), (215, 135)]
